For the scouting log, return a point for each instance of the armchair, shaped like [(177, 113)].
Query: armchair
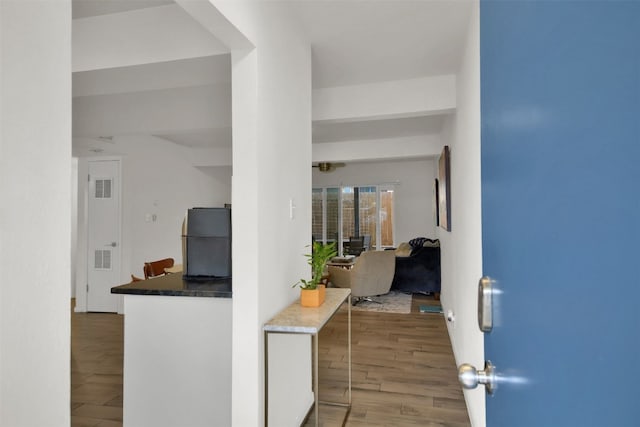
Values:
[(371, 274)]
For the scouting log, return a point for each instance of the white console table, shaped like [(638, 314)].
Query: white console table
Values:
[(296, 319)]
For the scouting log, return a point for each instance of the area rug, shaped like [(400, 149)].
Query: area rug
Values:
[(393, 302)]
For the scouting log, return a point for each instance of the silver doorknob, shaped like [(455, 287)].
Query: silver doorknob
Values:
[(470, 377), (112, 244)]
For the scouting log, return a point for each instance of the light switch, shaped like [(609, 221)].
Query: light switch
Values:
[(292, 208)]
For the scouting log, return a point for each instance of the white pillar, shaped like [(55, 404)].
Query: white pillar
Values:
[(35, 212), (271, 73)]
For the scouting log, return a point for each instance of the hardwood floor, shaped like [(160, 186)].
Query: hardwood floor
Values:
[(404, 373), (96, 369), (403, 370)]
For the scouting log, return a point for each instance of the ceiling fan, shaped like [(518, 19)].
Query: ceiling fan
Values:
[(327, 166)]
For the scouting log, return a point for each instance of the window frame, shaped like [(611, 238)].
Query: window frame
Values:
[(379, 188)]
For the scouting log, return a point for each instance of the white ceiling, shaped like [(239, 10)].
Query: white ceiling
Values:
[(370, 41), (353, 42)]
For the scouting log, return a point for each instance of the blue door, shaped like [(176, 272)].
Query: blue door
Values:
[(560, 105)]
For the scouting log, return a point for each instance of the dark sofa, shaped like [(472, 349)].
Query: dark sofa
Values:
[(420, 271)]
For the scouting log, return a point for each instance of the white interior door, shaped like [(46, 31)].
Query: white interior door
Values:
[(103, 235)]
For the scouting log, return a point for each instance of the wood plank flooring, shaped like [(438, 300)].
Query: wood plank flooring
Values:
[(403, 370), (404, 373), (96, 369)]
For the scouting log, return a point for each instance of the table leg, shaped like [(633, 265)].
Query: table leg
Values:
[(315, 376), (349, 344), (266, 379)]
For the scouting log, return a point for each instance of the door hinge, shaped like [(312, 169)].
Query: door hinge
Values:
[(87, 288), (88, 178)]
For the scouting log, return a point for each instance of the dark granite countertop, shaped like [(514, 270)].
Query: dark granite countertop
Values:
[(176, 285)]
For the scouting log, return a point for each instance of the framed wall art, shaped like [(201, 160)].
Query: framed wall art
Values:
[(444, 189), (434, 203)]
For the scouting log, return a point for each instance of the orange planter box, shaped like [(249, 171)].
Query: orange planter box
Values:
[(312, 298)]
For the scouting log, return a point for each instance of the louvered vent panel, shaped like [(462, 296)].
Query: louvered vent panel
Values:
[(103, 188), (107, 189), (98, 260), (106, 259), (102, 259), (99, 188)]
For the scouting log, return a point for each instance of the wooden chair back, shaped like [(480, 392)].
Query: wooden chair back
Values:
[(156, 268)]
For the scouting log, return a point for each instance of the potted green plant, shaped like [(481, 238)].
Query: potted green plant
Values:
[(312, 291)]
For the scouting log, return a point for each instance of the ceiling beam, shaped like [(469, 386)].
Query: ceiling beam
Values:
[(421, 146), (384, 100), (153, 112)]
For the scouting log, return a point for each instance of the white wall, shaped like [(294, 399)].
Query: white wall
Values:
[(290, 379), (412, 191), (158, 179), (462, 247), (165, 187), (35, 174)]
